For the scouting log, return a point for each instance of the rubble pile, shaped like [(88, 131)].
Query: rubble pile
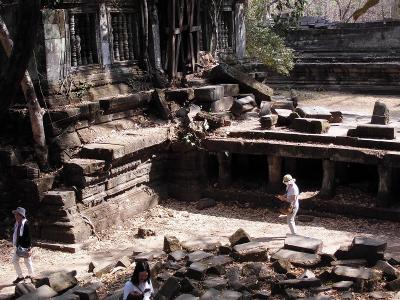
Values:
[(247, 268)]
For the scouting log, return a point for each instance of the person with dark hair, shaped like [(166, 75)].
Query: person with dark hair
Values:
[(22, 243), (140, 286)]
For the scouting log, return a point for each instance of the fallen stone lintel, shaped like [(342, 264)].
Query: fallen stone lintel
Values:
[(226, 74), (373, 131)]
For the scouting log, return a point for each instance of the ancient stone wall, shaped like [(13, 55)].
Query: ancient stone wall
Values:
[(356, 57)]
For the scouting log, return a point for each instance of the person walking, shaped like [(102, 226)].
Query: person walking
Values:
[(291, 196), (22, 243)]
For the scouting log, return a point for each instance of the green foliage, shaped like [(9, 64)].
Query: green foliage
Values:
[(264, 44), (263, 41), (287, 14)]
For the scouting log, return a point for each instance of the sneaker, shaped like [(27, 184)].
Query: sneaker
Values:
[(18, 280)]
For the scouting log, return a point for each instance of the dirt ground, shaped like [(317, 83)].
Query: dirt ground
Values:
[(186, 222)]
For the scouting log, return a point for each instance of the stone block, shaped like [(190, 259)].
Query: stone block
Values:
[(197, 270), (282, 266), (180, 95), (210, 294), (337, 117), (209, 93), (67, 140), (363, 244), (239, 237), (373, 131), (177, 255), (217, 283), (158, 99), (315, 126), (268, 121), (390, 272), (243, 105), (107, 152), (100, 268), (86, 293), (314, 112), (227, 74), (171, 243), (62, 281), (252, 251), (62, 199), (223, 104), (392, 258), (169, 289), (350, 262), (381, 114), (300, 259), (216, 264), (393, 285), (265, 108), (282, 104), (302, 244), (198, 256), (300, 283), (350, 273), (252, 269), (286, 117), (83, 166), (124, 103), (205, 243), (23, 288), (224, 250), (230, 89), (45, 292), (124, 261), (344, 285)]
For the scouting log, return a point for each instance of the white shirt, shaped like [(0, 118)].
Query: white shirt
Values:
[(20, 233), (293, 190), (130, 287)]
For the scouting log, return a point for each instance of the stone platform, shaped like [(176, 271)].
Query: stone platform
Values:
[(281, 144)]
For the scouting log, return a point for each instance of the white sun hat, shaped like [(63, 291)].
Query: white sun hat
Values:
[(19, 210), (288, 178)]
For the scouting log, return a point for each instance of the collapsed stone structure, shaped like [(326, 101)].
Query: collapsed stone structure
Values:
[(118, 146)]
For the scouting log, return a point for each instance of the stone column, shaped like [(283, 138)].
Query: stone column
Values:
[(385, 185), (240, 29), (154, 36), (274, 174), (104, 37), (224, 169), (328, 179), (55, 45)]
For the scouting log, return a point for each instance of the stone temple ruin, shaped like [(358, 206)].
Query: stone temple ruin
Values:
[(117, 146)]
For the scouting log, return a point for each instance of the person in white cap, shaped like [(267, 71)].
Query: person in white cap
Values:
[(291, 196), (22, 243)]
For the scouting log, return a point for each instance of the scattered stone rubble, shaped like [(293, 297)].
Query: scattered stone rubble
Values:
[(246, 268), (59, 286)]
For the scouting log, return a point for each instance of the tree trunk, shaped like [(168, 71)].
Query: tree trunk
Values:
[(145, 25), (35, 111), (14, 70)]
